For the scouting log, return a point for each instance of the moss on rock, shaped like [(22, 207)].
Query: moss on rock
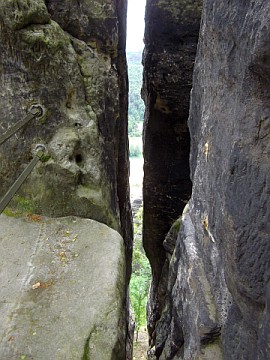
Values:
[(21, 13)]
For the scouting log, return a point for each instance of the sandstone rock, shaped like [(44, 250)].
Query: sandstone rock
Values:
[(69, 57), (62, 289), (218, 288), (169, 55)]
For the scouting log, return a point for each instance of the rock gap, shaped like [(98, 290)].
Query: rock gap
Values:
[(66, 238), (141, 274), (169, 55)]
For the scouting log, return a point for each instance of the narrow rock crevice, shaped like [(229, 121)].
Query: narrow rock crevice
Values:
[(170, 49)]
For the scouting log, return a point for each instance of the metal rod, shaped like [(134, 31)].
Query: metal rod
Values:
[(39, 151), (35, 111), (13, 129)]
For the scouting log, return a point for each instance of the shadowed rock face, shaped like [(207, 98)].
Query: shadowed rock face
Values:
[(171, 37), (217, 299), (70, 57)]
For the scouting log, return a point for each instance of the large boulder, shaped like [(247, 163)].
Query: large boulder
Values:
[(62, 289)]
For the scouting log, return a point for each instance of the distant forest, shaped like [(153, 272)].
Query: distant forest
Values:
[(136, 104)]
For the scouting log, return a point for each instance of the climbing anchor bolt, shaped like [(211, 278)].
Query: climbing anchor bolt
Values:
[(37, 110), (40, 150)]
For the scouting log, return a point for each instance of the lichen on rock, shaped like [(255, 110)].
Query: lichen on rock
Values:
[(18, 14)]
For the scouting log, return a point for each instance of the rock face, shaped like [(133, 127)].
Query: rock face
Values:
[(217, 300), (170, 49), (57, 302), (68, 56)]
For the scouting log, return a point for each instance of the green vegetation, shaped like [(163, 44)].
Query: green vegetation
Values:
[(177, 224), (136, 104), (141, 271), (19, 206), (141, 276), (135, 147), (135, 151)]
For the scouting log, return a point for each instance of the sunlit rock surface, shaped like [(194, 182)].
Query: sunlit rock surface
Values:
[(62, 289), (217, 299)]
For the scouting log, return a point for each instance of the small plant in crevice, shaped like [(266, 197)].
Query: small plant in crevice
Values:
[(141, 276), (19, 206)]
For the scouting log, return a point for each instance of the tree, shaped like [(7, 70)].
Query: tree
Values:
[(136, 104), (141, 276)]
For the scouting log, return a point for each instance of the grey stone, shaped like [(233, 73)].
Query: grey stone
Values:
[(169, 55), (77, 74), (68, 56), (231, 179), (218, 282), (62, 289), (171, 237)]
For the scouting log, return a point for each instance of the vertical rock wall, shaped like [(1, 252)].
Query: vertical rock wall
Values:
[(68, 56), (217, 300), (171, 37)]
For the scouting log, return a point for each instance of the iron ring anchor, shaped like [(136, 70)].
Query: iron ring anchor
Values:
[(37, 110), (40, 150)]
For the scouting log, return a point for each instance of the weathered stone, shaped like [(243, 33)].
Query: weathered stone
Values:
[(45, 58), (93, 21), (231, 184), (19, 14), (171, 237), (62, 289), (68, 56), (169, 55), (218, 283)]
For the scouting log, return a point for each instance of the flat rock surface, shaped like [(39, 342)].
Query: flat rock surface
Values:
[(62, 289)]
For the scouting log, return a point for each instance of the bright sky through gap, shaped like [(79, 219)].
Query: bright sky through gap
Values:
[(135, 25)]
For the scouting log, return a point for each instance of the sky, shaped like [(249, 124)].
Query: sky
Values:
[(135, 25)]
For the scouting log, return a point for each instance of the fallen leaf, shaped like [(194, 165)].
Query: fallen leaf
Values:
[(34, 217), (36, 285), (75, 238)]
